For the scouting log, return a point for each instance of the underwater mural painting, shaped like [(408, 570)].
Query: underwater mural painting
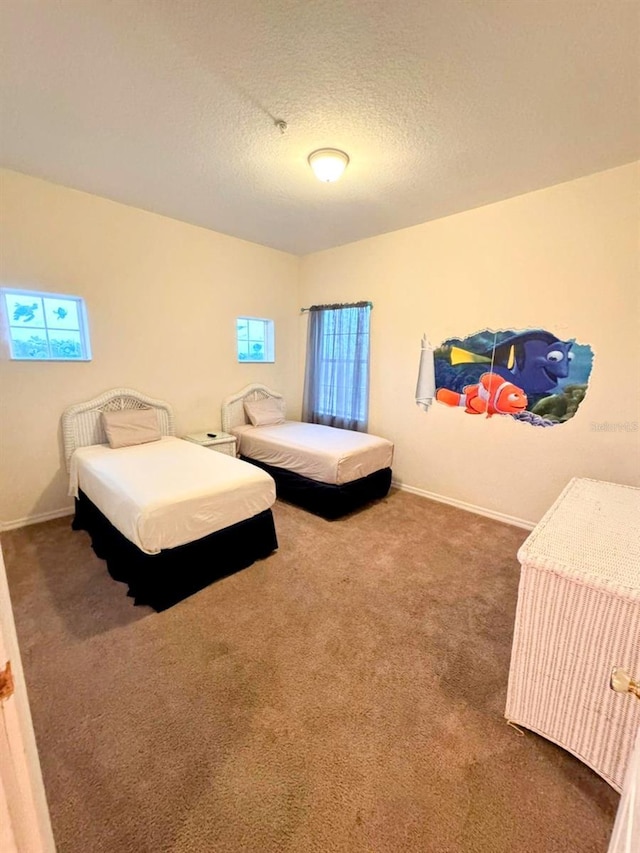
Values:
[(531, 375)]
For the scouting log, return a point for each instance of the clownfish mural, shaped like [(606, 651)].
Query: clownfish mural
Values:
[(531, 375), (493, 395)]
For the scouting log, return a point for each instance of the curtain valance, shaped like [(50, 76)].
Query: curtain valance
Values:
[(338, 305)]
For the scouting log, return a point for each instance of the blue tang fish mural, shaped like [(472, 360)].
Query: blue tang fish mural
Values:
[(549, 374), (534, 360)]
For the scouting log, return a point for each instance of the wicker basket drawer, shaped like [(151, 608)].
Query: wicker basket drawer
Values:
[(578, 616)]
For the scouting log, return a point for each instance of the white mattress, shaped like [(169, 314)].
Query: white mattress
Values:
[(322, 453), (169, 492)]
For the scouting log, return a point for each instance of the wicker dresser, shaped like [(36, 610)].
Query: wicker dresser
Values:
[(577, 617)]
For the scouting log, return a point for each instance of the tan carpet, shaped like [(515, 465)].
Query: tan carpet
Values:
[(344, 695)]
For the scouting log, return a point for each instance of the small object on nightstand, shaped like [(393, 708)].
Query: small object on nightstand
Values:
[(222, 442)]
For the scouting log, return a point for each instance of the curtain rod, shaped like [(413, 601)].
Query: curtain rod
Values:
[(337, 305)]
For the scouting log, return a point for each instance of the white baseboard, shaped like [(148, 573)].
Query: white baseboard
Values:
[(35, 519), (478, 510)]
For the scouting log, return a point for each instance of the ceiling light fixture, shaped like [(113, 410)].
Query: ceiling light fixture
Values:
[(328, 164)]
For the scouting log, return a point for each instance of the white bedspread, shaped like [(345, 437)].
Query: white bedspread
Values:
[(169, 492), (322, 453)]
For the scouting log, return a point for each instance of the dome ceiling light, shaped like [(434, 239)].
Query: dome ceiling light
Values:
[(328, 164)]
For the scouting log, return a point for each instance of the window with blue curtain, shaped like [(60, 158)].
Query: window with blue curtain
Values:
[(336, 382)]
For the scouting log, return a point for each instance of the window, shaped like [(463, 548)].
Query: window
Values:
[(46, 326), (336, 384), (254, 338)]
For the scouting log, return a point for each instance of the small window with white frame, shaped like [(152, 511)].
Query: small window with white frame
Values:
[(254, 339), (46, 326)]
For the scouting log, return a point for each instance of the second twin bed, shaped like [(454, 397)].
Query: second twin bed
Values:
[(325, 470)]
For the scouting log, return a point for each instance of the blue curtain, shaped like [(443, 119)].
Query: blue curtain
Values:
[(336, 381)]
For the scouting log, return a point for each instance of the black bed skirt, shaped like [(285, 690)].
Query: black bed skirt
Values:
[(161, 580), (325, 499)]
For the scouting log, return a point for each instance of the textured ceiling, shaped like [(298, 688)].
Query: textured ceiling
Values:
[(442, 105)]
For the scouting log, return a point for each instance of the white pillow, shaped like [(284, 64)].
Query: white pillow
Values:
[(265, 412), (131, 426)]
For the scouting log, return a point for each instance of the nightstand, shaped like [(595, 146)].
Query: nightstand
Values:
[(222, 443)]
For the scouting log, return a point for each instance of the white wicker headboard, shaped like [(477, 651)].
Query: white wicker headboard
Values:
[(233, 413), (82, 424)]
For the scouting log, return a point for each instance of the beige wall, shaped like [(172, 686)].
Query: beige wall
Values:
[(162, 298), (565, 259)]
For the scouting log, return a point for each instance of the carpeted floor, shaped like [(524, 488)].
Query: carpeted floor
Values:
[(345, 695)]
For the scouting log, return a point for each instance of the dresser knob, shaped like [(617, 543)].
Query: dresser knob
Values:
[(622, 682)]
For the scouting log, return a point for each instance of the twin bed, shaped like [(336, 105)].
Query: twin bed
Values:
[(169, 516), (328, 471)]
